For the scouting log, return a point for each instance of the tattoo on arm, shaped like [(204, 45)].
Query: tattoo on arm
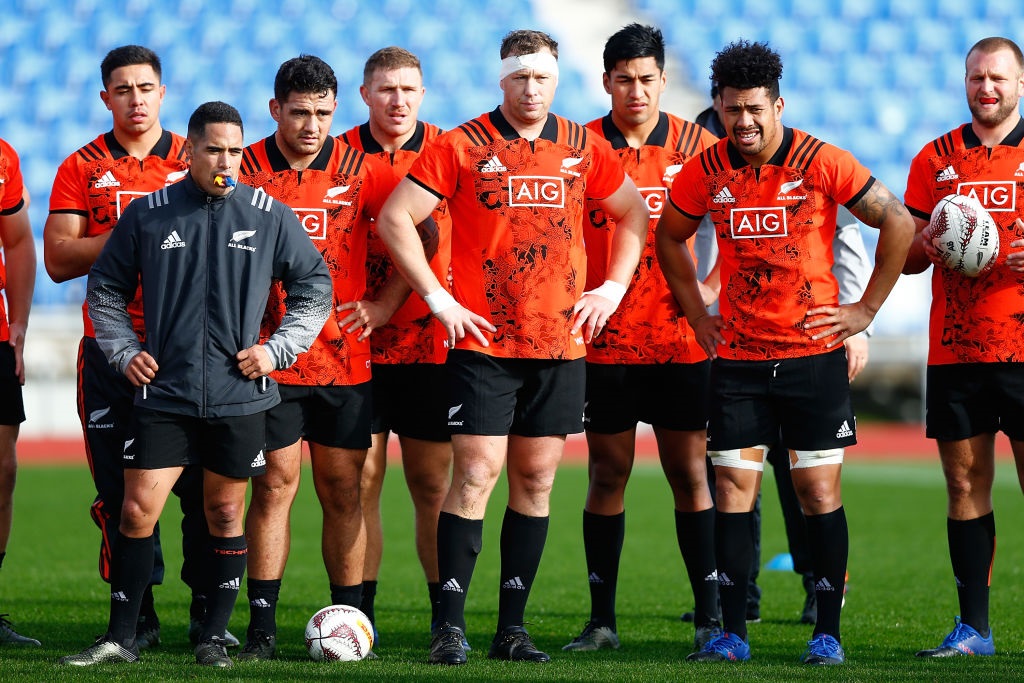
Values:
[(877, 205)]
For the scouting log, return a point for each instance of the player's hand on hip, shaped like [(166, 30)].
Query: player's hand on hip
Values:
[(141, 369), (595, 307), (837, 323), (707, 330), (254, 362), (368, 315), (461, 322)]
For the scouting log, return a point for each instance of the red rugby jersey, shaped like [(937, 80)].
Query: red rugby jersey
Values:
[(775, 226), (101, 179), (649, 325), (979, 319), (12, 190), (517, 226), (413, 335), (335, 199)]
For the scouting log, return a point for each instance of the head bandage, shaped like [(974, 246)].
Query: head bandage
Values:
[(543, 62)]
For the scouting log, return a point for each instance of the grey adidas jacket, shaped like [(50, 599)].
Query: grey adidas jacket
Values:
[(205, 265)]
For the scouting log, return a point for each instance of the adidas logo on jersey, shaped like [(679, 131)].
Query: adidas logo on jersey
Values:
[(724, 197), (594, 578), (513, 584), (259, 602), (948, 173), (844, 430), (107, 180), (232, 584), (567, 165), (260, 461), (173, 241), (240, 235), (492, 165), (452, 585)]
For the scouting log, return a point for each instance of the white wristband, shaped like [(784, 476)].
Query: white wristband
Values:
[(440, 299), (611, 290)]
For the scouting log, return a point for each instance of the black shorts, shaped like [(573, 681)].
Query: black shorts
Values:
[(409, 400), (671, 396), (229, 446), (333, 416), (966, 399), (806, 399), (491, 396), (12, 404)]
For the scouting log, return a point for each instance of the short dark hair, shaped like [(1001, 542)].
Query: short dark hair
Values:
[(744, 65), (995, 44), (304, 74), (389, 59), (525, 41), (128, 55), (634, 42), (212, 112)]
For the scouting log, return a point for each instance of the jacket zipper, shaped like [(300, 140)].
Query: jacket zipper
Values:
[(206, 304)]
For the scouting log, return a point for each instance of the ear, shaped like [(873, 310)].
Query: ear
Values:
[(606, 80), (275, 109)]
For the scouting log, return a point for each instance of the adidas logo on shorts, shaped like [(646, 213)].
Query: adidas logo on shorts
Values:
[(232, 584), (844, 430), (260, 461)]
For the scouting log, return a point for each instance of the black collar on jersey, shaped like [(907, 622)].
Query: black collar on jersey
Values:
[(1012, 140), (278, 163), (657, 138), (371, 146), (162, 148), (550, 132), (778, 159)]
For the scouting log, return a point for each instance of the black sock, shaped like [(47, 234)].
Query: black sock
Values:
[(129, 575), (734, 549), (458, 543), (972, 548), (2, 556), (522, 544), (228, 567), (366, 603), (146, 607), (347, 595), (829, 539), (695, 532), (434, 594), (263, 595), (602, 543)]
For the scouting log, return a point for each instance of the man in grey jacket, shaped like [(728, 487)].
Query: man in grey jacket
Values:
[(205, 251)]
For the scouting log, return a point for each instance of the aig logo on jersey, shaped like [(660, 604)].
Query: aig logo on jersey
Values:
[(314, 222), (655, 198), (758, 222), (530, 190), (994, 196)]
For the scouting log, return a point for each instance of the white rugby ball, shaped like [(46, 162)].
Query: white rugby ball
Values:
[(339, 633), (964, 234)]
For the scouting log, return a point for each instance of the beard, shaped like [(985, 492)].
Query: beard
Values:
[(1005, 110)]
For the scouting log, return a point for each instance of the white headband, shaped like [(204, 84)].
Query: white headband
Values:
[(543, 62)]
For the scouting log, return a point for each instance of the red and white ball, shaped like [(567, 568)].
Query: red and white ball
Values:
[(964, 234), (339, 633)]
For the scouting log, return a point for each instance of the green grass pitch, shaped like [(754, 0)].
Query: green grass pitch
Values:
[(901, 594)]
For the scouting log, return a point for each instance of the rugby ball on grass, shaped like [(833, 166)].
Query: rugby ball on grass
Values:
[(964, 234), (339, 633)]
